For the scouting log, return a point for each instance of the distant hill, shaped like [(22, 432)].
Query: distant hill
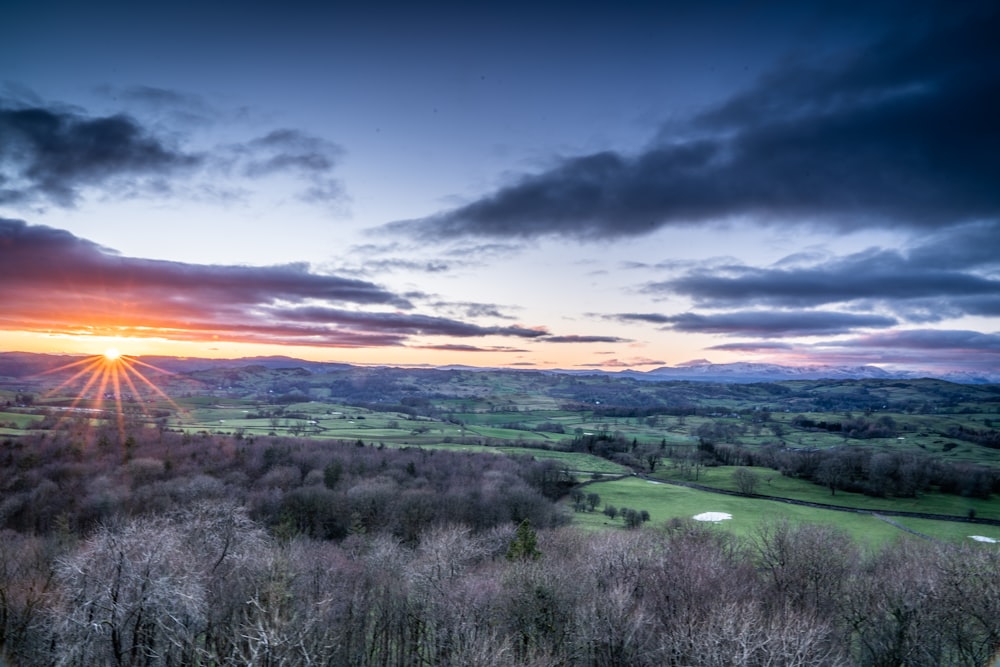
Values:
[(746, 372), (24, 364), (756, 372), (17, 365), (190, 364)]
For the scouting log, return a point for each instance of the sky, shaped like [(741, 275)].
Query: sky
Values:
[(528, 185)]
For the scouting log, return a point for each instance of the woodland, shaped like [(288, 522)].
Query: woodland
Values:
[(175, 549), (251, 520)]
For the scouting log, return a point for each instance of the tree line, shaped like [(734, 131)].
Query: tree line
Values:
[(171, 549), (324, 489), (207, 585), (853, 468), (864, 470)]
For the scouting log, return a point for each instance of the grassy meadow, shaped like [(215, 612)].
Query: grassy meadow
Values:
[(772, 483), (666, 501), (540, 415)]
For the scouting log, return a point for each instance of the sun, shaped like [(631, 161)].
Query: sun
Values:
[(110, 376)]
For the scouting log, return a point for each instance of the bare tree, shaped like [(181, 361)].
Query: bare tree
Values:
[(128, 597), (805, 566), (25, 583), (154, 590), (746, 480), (832, 471), (652, 456)]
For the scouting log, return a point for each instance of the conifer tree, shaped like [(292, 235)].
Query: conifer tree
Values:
[(524, 546)]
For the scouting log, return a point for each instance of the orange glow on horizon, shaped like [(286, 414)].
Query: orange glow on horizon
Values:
[(534, 356), (104, 377), (137, 348)]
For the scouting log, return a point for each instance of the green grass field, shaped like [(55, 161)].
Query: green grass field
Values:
[(772, 483), (666, 501), (574, 462), (18, 420), (498, 412)]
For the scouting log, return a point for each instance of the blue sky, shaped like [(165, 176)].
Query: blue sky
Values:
[(527, 185)]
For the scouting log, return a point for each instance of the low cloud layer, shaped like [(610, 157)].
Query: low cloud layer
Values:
[(929, 349), (868, 300), (625, 363), (765, 324), (51, 154), (900, 134), (940, 277), (288, 151), (52, 281), (585, 339)]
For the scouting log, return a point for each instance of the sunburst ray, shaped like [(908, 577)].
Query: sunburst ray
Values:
[(104, 375)]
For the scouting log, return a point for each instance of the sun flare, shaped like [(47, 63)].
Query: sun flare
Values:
[(110, 383)]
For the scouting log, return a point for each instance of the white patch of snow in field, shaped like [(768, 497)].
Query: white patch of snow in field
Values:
[(712, 516), (981, 538), (653, 481)]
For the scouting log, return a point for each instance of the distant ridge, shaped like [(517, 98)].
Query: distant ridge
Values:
[(771, 371), (746, 372), (25, 364), (189, 364), (759, 372)]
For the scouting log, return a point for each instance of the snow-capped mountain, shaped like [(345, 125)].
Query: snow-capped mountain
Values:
[(758, 372)]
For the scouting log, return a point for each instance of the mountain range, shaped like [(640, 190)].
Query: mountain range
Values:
[(758, 372), (14, 365)]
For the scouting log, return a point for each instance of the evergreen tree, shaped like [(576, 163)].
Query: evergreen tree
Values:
[(524, 546)]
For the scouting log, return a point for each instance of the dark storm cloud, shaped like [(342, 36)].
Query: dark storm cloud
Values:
[(899, 133), (754, 346), (926, 340), (289, 149), (585, 339), (942, 350), (650, 318), (833, 283), (36, 256), (471, 309), (965, 248), (292, 151), (50, 154), (51, 280), (625, 363), (155, 97), (483, 310), (402, 323), (280, 151), (486, 251), (175, 108), (383, 266), (468, 348), (767, 324), (381, 260), (941, 276)]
